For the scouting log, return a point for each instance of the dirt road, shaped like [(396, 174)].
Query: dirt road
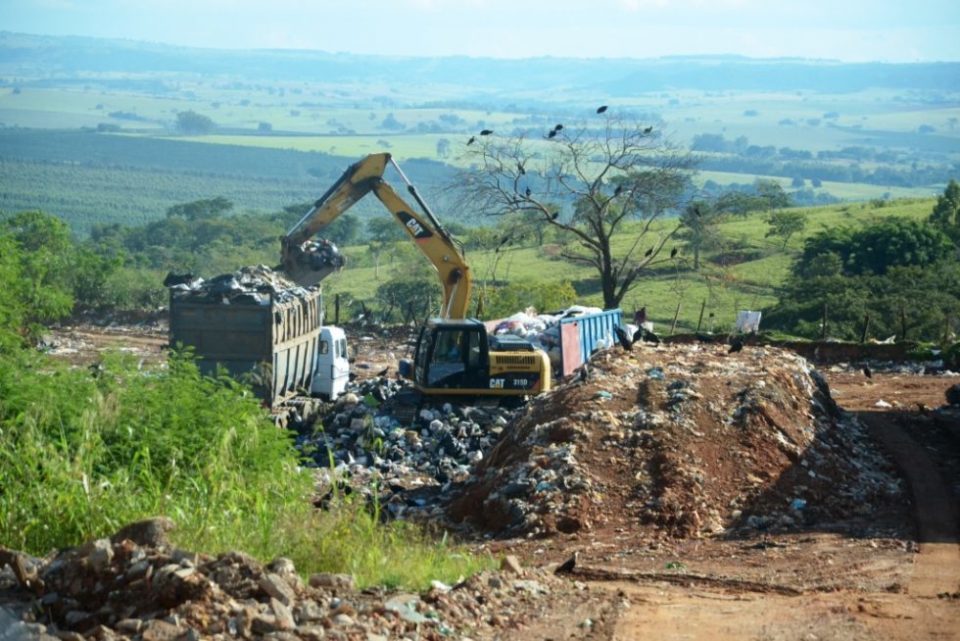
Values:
[(927, 606)]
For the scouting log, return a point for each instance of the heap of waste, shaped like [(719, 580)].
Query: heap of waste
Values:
[(255, 285), (688, 440), (674, 440), (363, 439), (136, 586), (543, 330)]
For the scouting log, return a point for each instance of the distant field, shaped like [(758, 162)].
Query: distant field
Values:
[(844, 191), (723, 290), (348, 120), (400, 145)]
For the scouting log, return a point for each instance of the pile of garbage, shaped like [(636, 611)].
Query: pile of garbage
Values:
[(253, 285), (136, 586), (687, 440), (543, 330), (679, 440), (373, 438)]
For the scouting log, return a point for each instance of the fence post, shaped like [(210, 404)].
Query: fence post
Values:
[(673, 325), (700, 320), (866, 326), (823, 323), (336, 309)]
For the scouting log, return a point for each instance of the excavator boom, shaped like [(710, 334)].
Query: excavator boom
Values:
[(423, 228)]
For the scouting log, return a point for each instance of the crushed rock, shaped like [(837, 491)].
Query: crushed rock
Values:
[(119, 589)]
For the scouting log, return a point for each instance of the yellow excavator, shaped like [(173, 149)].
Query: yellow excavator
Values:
[(454, 354)]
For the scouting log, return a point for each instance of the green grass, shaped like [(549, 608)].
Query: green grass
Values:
[(722, 289), (81, 456)]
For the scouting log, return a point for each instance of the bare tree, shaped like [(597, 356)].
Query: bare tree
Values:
[(603, 174)]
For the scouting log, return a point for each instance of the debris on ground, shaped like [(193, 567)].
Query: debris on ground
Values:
[(135, 585)]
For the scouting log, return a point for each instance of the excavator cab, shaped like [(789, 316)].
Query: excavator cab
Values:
[(458, 357), (452, 355)]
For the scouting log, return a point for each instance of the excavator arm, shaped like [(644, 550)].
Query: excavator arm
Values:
[(424, 229)]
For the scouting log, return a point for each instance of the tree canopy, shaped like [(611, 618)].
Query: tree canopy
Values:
[(876, 248), (946, 213), (586, 180), (900, 274)]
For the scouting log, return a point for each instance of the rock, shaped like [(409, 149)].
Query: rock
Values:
[(283, 615), (511, 565), (308, 612), (129, 626), (147, 533), (100, 556), (404, 605), (157, 630), (277, 588), (332, 581), (342, 620)]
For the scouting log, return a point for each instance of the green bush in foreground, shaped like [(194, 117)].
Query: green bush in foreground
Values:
[(82, 454)]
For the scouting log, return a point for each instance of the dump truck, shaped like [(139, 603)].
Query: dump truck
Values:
[(277, 343)]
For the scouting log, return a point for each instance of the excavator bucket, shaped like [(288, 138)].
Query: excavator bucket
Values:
[(310, 262)]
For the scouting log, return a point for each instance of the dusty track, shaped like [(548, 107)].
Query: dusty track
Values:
[(927, 607)]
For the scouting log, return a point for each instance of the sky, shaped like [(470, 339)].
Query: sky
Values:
[(848, 30)]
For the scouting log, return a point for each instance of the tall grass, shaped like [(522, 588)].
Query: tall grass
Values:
[(83, 453)]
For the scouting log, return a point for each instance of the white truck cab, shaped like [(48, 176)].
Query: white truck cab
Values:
[(333, 369)]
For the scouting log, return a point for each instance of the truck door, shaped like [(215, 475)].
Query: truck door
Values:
[(333, 368)]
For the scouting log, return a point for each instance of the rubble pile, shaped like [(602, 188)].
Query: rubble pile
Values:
[(135, 586), (688, 439), (253, 285), (371, 435)]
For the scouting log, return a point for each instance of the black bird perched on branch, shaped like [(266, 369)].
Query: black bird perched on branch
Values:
[(521, 169), (552, 133), (601, 109), (867, 372), (486, 132), (528, 192), (618, 191), (649, 252), (648, 130), (567, 566), (557, 127), (503, 241), (736, 345), (622, 338), (673, 252), (472, 138), (554, 215)]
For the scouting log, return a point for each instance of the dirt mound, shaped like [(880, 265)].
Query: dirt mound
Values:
[(687, 440)]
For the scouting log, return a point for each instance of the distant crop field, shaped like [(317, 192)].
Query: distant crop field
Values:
[(401, 146)]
